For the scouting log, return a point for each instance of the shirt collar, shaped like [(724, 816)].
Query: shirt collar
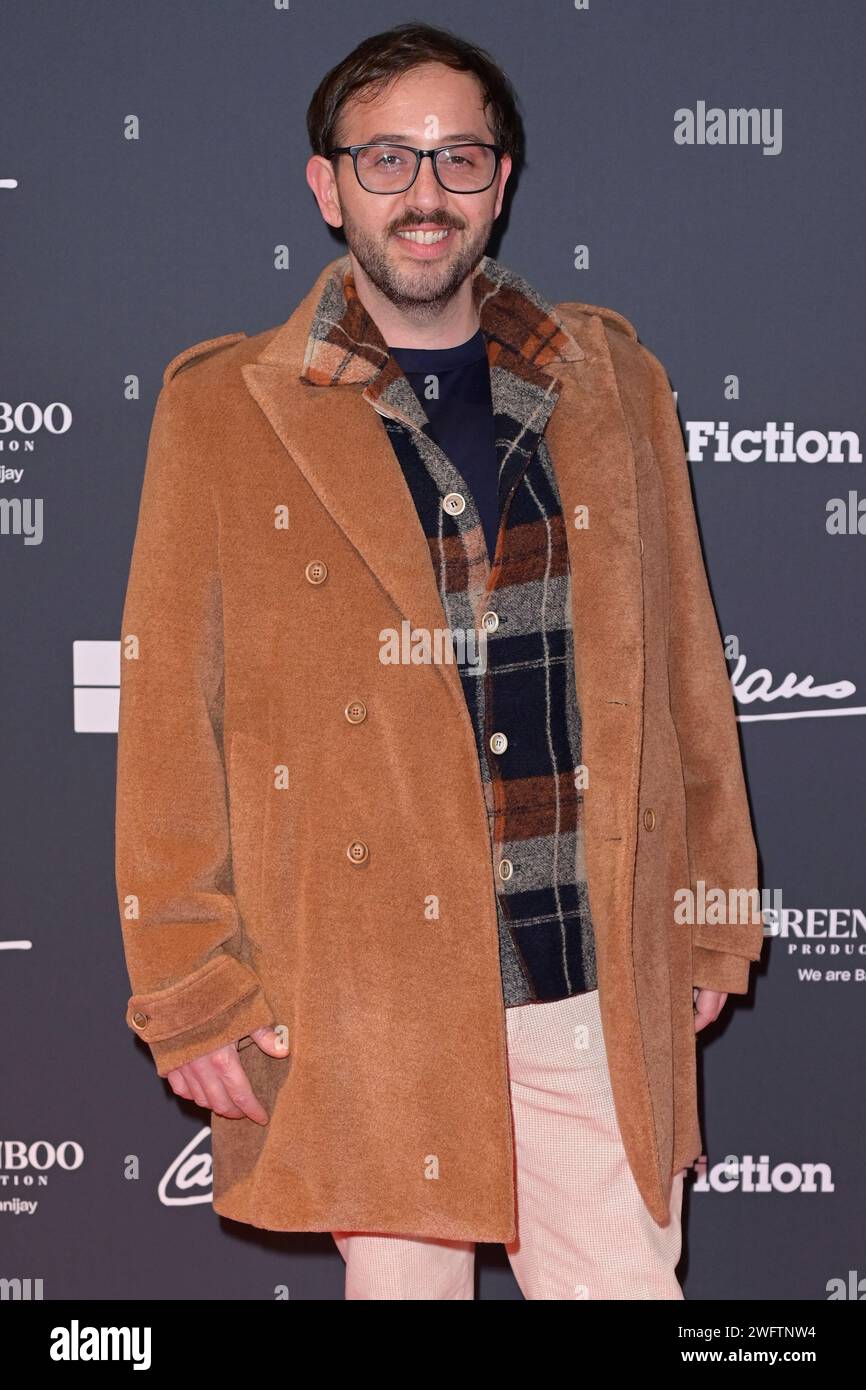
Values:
[(521, 328)]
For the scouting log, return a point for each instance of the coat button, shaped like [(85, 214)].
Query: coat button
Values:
[(454, 503), (356, 712), (139, 1019), (498, 743), (316, 571), (641, 545), (490, 621), (357, 851), (506, 868), (649, 818)]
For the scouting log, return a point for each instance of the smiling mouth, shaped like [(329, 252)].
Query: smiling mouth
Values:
[(424, 238)]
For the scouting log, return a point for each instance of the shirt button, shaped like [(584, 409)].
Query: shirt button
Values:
[(316, 571), (357, 851), (498, 743), (490, 621), (649, 818), (506, 868), (356, 712), (454, 503), (139, 1020)]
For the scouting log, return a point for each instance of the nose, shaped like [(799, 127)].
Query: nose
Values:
[(426, 192)]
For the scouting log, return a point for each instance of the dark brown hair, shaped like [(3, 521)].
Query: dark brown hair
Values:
[(383, 57)]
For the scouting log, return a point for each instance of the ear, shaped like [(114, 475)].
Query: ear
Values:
[(323, 181), (504, 170)]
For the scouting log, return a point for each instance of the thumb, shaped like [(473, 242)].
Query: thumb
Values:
[(273, 1041)]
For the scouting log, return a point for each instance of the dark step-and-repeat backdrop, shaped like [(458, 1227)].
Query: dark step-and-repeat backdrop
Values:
[(697, 167)]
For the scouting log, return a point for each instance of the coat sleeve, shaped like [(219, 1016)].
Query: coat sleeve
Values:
[(721, 846), (182, 934)]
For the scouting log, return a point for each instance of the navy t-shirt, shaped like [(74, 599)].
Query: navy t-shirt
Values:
[(461, 417)]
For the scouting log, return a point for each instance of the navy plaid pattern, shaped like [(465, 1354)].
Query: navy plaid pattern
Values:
[(525, 688)]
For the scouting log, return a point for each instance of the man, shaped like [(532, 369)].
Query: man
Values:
[(404, 913)]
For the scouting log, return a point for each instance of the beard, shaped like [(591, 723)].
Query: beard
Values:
[(421, 288)]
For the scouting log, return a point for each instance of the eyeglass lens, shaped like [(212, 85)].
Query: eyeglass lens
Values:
[(389, 168)]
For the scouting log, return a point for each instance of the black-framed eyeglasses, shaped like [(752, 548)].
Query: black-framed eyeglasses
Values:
[(460, 168)]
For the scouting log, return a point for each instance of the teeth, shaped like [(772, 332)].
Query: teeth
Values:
[(424, 238)]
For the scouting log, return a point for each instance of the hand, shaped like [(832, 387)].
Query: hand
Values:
[(708, 1005), (218, 1082)]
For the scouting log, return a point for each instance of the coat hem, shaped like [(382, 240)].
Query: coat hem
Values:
[(355, 1223)]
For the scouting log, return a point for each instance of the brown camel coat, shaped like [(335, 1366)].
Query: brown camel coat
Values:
[(276, 539)]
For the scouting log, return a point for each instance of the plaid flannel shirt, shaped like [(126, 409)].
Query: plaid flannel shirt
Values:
[(525, 688)]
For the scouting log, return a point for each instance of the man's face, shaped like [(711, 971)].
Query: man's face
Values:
[(429, 106)]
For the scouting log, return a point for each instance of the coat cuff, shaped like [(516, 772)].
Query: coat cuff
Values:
[(219, 1003), (720, 970)]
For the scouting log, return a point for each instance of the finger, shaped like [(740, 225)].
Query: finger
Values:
[(220, 1101), (274, 1041), (220, 1082), (237, 1085), (178, 1083), (195, 1086), (706, 1012), (210, 1076)]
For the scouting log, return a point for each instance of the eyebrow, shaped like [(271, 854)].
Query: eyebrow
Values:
[(391, 137)]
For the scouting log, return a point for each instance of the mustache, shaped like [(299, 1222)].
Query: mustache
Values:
[(428, 221)]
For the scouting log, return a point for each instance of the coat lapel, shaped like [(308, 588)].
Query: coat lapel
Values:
[(336, 437), (345, 455)]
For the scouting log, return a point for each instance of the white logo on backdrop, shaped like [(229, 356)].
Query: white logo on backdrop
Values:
[(744, 1173), (189, 1178), (761, 685), (771, 443)]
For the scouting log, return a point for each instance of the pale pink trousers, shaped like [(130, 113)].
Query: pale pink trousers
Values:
[(583, 1230)]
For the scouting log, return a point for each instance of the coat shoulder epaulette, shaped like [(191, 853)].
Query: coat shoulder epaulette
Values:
[(203, 349), (610, 316)]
